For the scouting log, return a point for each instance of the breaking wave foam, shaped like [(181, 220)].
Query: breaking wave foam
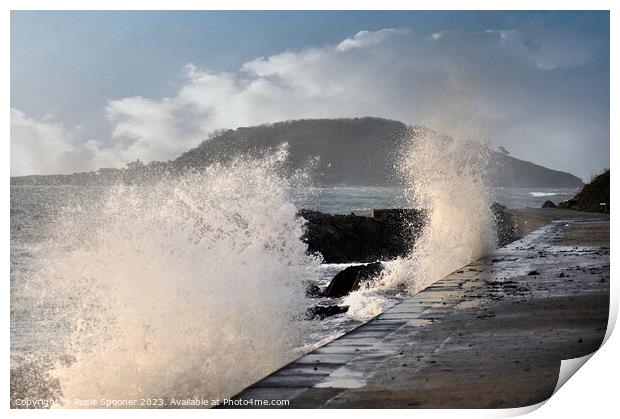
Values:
[(189, 287), (540, 194), (447, 178)]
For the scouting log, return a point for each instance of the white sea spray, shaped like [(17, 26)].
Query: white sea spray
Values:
[(447, 177), (191, 286)]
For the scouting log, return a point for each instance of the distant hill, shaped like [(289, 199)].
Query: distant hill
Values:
[(352, 151), (357, 151)]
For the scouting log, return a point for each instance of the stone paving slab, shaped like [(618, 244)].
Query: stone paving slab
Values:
[(491, 334)]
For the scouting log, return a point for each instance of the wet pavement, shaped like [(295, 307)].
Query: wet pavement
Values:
[(489, 335)]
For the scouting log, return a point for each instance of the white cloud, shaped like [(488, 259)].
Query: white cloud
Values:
[(365, 39), (394, 73), (372, 73), (552, 52), (42, 146)]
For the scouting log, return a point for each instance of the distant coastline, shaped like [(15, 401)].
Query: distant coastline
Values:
[(352, 152)]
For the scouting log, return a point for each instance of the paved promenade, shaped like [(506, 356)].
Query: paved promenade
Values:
[(489, 335)]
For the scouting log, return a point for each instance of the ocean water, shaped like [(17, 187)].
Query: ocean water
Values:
[(361, 200), (110, 287)]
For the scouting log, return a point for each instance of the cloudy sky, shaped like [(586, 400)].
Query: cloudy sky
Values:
[(100, 89)]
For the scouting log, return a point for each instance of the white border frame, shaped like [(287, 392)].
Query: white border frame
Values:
[(591, 392)]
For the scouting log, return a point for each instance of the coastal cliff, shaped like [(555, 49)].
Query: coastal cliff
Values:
[(593, 197)]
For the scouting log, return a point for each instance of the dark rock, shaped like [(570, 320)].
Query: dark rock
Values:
[(322, 312), (388, 234), (395, 214), (548, 204), (351, 278), (313, 291), (352, 238), (533, 273)]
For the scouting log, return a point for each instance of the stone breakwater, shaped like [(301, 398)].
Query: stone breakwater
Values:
[(490, 335), (386, 235)]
